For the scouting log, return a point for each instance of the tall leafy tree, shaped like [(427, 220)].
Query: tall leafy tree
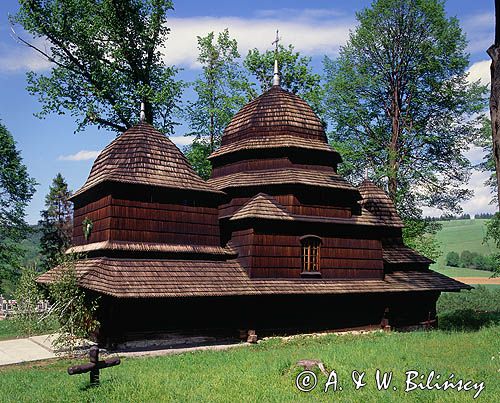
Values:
[(221, 89), (494, 53), (296, 74), (398, 99), (107, 59), (56, 223), (16, 190)]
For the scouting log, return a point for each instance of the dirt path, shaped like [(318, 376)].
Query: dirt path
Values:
[(478, 280)]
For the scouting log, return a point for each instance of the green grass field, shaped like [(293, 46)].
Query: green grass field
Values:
[(267, 372), (460, 235)]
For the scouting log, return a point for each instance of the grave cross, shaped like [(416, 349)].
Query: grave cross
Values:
[(94, 366)]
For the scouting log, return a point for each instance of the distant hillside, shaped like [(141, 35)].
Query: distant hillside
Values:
[(32, 246), (460, 235)]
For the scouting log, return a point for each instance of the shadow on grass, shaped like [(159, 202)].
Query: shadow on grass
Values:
[(467, 320)]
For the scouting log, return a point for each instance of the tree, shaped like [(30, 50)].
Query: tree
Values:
[(494, 52), (222, 89), (107, 58), (16, 190), (56, 224), (452, 259), (295, 73), (466, 258), (27, 296), (398, 97)]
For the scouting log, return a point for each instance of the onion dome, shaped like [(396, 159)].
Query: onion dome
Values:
[(276, 119), (376, 201), (144, 156)]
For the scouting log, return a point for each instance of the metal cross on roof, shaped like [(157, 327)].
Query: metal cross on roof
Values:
[(277, 40)]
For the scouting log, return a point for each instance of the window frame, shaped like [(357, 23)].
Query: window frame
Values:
[(310, 250)]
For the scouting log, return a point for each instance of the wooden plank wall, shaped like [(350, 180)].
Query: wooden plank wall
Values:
[(99, 212), (279, 256), (164, 222), (293, 205), (243, 241), (136, 221), (269, 163)]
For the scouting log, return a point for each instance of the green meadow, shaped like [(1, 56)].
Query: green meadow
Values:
[(460, 235)]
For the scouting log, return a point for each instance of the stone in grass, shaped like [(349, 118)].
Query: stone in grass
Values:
[(310, 364)]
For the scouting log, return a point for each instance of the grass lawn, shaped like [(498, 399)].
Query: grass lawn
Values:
[(266, 372)]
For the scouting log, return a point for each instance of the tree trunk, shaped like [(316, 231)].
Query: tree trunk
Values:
[(494, 53), (392, 176)]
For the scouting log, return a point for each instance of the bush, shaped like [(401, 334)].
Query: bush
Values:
[(453, 259), (469, 310), (466, 258)]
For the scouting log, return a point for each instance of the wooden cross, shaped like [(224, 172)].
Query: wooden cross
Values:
[(94, 366)]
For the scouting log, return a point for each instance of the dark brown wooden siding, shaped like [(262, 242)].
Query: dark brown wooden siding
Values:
[(295, 206), (270, 163), (99, 212), (279, 256), (243, 241), (138, 221)]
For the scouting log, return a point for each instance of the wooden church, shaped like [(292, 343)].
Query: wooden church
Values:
[(276, 241)]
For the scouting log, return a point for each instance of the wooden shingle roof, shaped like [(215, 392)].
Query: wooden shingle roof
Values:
[(276, 119), (399, 254), (290, 176), (378, 203), (142, 155), (262, 206), (148, 278)]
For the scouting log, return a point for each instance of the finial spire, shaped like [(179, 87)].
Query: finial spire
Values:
[(142, 116), (366, 173), (276, 77)]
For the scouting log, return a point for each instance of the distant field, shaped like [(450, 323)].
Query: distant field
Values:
[(460, 235), (461, 272)]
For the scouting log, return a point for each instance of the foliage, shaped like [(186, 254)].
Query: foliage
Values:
[(295, 72), (453, 259), (488, 162), (221, 89), (421, 235), (56, 224), (493, 233), (469, 310), (466, 258), (16, 190), (269, 371), (107, 58), (72, 306), (27, 296), (197, 154), (398, 97)]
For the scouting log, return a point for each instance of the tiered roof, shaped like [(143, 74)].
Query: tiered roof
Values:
[(142, 155), (275, 119)]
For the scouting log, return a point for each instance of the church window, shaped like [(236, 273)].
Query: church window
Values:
[(310, 255)]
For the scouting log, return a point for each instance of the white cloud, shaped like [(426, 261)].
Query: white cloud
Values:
[(19, 57), (480, 31), (83, 155), (306, 13), (480, 71), (480, 201), (310, 36), (181, 141)]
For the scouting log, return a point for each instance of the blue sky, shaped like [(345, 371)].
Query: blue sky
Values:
[(315, 27)]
